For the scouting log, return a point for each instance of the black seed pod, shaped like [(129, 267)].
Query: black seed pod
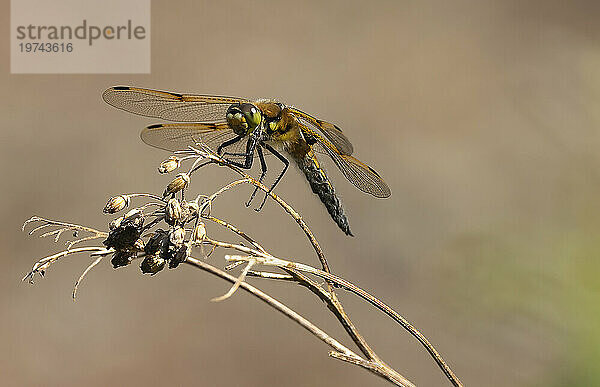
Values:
[(134, 217), (152, 264), (125, 231), (123, 237), (156, 242), (179, 256), (121, 258)]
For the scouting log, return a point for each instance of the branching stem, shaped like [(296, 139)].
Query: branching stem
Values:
[(255, 254)]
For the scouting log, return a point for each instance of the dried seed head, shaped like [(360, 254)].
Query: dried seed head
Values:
[(121, 258), (169, 165), (152, 264), (116, 204), (180, 182), (177, 236), (173, 212), (199, 233)]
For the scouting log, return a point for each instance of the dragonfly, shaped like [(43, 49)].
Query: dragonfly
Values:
[(242, 130)]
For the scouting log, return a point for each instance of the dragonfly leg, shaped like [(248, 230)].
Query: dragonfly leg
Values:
[(227, 143), (263, 168), (232, 154), (250, 146), (286, 165)]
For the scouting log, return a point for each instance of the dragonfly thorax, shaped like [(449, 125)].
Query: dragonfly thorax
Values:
[(243, 118), (277, 119)]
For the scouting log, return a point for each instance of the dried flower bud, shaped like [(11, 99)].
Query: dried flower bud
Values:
[(169, 165), (177, 184), (177, 236), (152, 264), (189, 211), (199, 233), (193, 207), (116, 204), (121, 258), (173, 212)]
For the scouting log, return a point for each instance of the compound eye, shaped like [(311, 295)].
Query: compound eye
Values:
[(248, 108), (252, 114), (236, 119)]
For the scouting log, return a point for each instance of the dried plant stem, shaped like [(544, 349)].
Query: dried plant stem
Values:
[(147, 195), (158, 248), (40, 266), (333, 302), (82, 276), (291, 266), (236, 284), (269, 275), (339, 349), (249, 179), (60, 228), (328, 297), (348, 325), (375, 367)]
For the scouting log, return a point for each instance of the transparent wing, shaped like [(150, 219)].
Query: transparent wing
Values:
[(358, 173), (169, 106), (179, 136), (329, 130)]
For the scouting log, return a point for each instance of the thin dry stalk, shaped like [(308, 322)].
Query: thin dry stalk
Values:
[(333, 302), (348, 325), (341, 352)]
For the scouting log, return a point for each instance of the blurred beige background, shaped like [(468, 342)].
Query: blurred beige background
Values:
[(483, 118)]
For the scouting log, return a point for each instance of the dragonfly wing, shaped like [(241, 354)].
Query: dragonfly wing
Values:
[(179, 136), (358, 173), (330, 131), (169, 106)]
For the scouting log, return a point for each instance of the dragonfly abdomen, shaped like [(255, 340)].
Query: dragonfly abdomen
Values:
[(321, 185)]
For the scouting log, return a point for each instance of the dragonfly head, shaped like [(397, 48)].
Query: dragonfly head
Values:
[(243, 118)]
